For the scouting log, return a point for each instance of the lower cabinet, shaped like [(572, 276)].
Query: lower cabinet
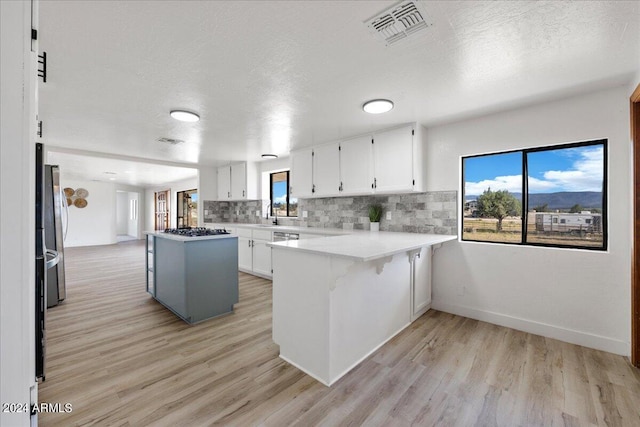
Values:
[(254, 256)]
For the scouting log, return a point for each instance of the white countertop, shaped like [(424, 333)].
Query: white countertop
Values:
[(187, 238), (364, 246)]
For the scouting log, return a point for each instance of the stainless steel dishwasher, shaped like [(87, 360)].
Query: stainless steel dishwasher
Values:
[(282, 236)]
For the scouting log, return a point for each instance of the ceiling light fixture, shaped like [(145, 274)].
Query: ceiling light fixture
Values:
[(184, 116), (377, 106), (269, 156)]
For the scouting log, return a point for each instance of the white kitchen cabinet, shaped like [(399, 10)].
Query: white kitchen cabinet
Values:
[(301, 173), (224, 183), (393, 160), (326, 170), (245, 254), (254, 256), (238, 181), (261, 257), (356, 165), (420, 282)]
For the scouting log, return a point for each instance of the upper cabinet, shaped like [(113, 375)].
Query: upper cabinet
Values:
[(224, 183), (393, 160), (238, 181), (389, 161), (356, 165), (326, 170), (302, 173)]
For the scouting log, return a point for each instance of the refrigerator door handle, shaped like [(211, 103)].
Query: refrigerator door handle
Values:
[(55, 258), (63, 197)]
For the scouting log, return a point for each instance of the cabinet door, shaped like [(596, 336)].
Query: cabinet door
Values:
[(393, 160), (261, 257), (421, 284), (245, 261), (239, 181), (356, 165), (326, 170), (301, 173), (224, 183)]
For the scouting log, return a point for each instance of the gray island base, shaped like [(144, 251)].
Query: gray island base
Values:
[(194, 277)]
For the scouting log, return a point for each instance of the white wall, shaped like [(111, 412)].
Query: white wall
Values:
[(17, 221), (96, 223), (187, 184), (207, 189), (577, 296)]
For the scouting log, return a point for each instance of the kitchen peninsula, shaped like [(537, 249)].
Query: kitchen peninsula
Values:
[(338, 299), (194, 276)]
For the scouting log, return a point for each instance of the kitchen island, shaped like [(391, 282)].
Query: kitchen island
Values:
[(338, 299), (194, 277)]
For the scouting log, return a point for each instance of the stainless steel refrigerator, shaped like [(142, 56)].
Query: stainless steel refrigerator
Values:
[(50, 277)]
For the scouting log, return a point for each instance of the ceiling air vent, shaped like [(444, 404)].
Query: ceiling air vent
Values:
[(170, 141), (399, 22)]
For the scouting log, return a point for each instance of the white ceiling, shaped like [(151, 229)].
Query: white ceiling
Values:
[(87, 167), (268, 76)]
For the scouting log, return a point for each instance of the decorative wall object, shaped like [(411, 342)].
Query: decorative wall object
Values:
[(77, 198)]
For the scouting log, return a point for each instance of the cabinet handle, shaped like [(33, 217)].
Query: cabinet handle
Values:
[(340, 188), (228, 194), (249, 242), (242, 193), (313, 188), (375, 183)]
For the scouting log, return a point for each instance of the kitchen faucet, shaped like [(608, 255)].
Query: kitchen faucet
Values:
[(275, 221)]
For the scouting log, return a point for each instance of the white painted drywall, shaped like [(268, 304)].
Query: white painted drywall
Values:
[(207, 189), (574, 295), (122, 212), (17, 221), (96, 223), (187, 184)]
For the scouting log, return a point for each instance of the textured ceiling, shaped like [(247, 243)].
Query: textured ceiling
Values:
[(269, 76)]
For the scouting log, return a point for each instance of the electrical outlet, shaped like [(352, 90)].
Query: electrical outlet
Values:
[(206, 211), (305, 214), (258, 213), (237, 211), (388, 216)]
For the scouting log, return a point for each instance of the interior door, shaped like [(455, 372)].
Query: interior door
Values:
[(162, 203)]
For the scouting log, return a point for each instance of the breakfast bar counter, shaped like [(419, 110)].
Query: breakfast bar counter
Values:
[(338, 299)]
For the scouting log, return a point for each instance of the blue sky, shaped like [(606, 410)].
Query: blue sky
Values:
[(280, 192), (568, 169)]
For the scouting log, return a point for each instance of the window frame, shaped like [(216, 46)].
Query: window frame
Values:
[(604, 142), (288, 183)]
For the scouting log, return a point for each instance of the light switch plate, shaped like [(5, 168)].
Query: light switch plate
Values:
[(305, 214), (388, 215)]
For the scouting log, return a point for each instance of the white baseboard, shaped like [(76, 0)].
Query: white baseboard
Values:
[(597, 342)]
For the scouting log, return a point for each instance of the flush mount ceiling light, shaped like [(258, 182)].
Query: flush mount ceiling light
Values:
[(377, 106), (184, 116), (269, 156)]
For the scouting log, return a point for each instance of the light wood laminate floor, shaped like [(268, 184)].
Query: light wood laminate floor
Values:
[(120, 358)]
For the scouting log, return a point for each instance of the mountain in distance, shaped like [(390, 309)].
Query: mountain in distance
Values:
[(560, 200)]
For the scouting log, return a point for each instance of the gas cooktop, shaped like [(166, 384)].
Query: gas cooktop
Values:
[(196, 231)]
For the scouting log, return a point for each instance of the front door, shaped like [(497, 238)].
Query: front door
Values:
[(162, 203)]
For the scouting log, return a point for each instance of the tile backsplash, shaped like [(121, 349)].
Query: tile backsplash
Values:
[(432, 212)]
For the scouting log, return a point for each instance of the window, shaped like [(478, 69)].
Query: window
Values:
[(281, 203), (550, 196)]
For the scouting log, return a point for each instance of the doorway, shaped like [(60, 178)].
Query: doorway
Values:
[(187, 209), (162, 204), (635, 269), (127, 216)]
